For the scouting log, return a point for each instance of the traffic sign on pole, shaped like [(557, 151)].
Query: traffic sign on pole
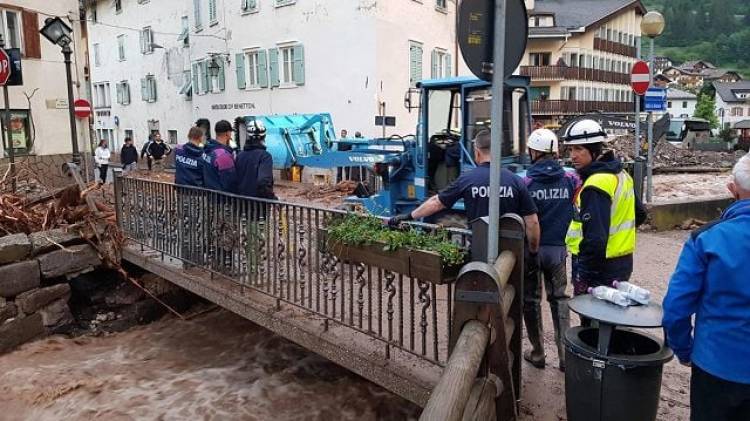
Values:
[(82, 108), (640, 79), (656, 99), (5, 68)]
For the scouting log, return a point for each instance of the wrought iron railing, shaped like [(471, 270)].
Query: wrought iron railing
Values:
[(278, 249)]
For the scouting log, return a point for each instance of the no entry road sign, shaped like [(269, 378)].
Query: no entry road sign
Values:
[(639, 78), (82, 108), (4, 67)]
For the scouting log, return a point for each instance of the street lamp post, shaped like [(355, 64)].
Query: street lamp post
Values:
[(58, 33), (652, 25)]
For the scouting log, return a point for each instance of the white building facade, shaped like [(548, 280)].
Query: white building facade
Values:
[(220, 59), (39, 117), (681, 104)]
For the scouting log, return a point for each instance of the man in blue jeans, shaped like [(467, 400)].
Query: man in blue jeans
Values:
[(712, 284)]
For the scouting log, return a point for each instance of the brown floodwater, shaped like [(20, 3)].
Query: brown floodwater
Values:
[(216, 366)]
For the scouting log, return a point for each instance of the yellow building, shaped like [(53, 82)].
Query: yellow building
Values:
[(579, 56)]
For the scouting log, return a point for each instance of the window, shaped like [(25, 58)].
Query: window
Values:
[(280, 3), (108, 135), (142, 1), (540, 59), (542, 21), (185, 33), (441, 4), (684, 104), (121, 47), (148, 88), (11, 28), (187, 85), (123, 92), (97, 56), (118, 6), (669, 104), (203, 82), (197, 15), (101, 95), (92, 16), (415, 62), (249, 6), (172, 136), (255, 73), (441, 64), (147, 40), (200, 75), (129, 133), (286, 66), (212, 12)]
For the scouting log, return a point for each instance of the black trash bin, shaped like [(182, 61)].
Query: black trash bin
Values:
[(621, 386)]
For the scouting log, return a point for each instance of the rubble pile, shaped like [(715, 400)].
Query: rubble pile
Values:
[(667, 155)]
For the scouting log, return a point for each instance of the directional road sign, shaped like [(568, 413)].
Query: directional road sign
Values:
[(656, 99), (639, 77)]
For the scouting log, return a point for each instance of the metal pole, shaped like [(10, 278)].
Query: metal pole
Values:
[(6, 132), (637, 109), (496, 154), (71, 110), (650, 163)]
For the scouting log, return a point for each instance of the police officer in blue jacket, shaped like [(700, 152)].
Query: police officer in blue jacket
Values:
[(189, 173), (218, 173), (712, 285), (474, 188), (552, 189)]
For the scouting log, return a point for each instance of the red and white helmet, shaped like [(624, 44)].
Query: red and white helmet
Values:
[(543, 140)]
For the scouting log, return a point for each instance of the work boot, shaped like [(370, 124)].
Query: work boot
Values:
[(533, 323), (561, 322)]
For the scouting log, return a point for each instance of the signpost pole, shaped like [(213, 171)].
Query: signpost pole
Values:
[(637, 110), (650, 163), (498, 77), (6, 128)]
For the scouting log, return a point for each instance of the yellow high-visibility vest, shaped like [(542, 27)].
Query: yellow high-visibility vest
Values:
[(621, 240)]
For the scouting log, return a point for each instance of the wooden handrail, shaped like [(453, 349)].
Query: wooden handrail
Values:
[(448, 399)]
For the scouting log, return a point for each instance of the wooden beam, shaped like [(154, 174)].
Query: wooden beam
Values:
[(504, 266), (449, 397), (481, 403)]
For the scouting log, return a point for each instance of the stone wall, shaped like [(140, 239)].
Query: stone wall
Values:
[(45, 168), (34, 292)]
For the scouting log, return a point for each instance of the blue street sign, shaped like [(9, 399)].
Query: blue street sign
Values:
[(656, 99)]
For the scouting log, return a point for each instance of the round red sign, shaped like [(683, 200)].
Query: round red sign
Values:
[(82, 108), (4, 67), (639, 78)]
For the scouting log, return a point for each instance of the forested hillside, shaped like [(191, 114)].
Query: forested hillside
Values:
[(713, 30)]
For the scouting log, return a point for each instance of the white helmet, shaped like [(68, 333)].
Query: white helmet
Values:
[(584, 132), (256, 131), (543, 140)]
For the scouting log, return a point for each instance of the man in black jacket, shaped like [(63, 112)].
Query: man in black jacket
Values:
[(157, 150), (254, 178), (128, 156)]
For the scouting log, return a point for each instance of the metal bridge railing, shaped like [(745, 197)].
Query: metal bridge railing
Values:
[(274, 248)]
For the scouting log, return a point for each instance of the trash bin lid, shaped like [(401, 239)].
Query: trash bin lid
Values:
[(644, 316)]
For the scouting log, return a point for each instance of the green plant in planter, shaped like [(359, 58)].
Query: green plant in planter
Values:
[(355, 229)]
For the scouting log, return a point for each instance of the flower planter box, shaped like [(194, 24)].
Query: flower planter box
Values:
[(420, 264)]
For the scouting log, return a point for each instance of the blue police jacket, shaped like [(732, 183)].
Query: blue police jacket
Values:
[(553, 191), (712, 282), (254, 173), (188, 163), (218, 170), (474, 187)]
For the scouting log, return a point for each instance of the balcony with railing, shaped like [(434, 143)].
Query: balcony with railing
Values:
[(614, 47), (552, 73), (571, 106)]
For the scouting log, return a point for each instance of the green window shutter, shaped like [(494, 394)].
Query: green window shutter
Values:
[(206, 77), (197, 12), (239, 60), (273, 66), (211, 11), (196, 85), (126, 92), (435, 64), (153, 89), (142, 41), (119, 93), (419, 64), (448, 65), (262, 69), (299, 65), (222, 76), (144, 90)]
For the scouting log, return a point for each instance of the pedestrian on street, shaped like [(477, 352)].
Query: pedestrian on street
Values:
[(128, 156), (343, 173), (188, 174), (144, 151), (101, 158), (218, 173), (254, 178), (710, 284), (158, 150), (601, 236), (553, 191), (474, 186)]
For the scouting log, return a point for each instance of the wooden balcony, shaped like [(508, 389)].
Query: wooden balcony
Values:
[(614, 47), (564, 107), (553, 73)]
